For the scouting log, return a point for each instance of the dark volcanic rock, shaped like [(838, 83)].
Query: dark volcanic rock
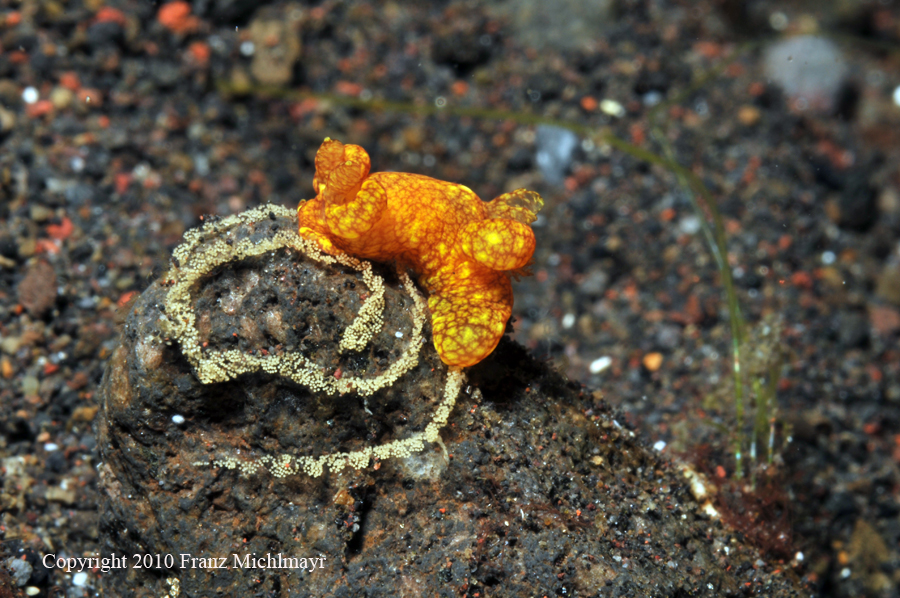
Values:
[(539, 491)]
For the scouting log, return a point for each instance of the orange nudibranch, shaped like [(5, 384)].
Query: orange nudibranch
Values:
[(461, 248)]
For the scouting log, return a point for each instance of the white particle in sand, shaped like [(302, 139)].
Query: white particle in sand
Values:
[(778, 21), (51, 447), (659, 445), (612, 108), (178, 419), (598, 365), (30, 95), (689, 225), (79, 579)]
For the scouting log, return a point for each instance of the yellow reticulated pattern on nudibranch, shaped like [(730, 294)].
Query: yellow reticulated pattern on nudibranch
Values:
[(461, 248)]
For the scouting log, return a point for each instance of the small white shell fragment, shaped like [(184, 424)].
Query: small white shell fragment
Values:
[(612, 107), (600, 364)]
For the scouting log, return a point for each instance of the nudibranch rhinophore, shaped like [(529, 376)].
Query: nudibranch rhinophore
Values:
[(461, 248)]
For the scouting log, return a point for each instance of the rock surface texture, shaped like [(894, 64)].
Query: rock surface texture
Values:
[(532, 488)]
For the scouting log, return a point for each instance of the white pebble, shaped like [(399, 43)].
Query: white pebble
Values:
[(30, 95), (177, 419), (897, 96), (51, 447), (79, 579), (613, 108), (778, 21), (689, 225), (598, 365), (828, 257), (659, 445), (398, 334), (568, 320), (248, 48)]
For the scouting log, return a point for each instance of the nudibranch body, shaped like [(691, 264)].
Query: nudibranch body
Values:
[(461, 248)]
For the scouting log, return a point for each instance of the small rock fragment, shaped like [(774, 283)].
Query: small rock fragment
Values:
[(37, 291), (276, 50), (888, 284)]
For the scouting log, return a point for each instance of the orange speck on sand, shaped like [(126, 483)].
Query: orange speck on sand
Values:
[(70, 81), (720, 471), (46, 246), (103, 121), (304, 107), (199, 51), (884, 319), (176, 17), (735, 69), (874, 372), (753, 165), (459, 88), (6, 368), (39, 108), (653, 361), (732, 226), (13, 19), (348, 88), (108, 14), (589, 103), (756, 89), (462, 249), (62, 230), (667, 215), (802, 279), (122, 180), (784, 242), (708, 49), (637, 134)]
